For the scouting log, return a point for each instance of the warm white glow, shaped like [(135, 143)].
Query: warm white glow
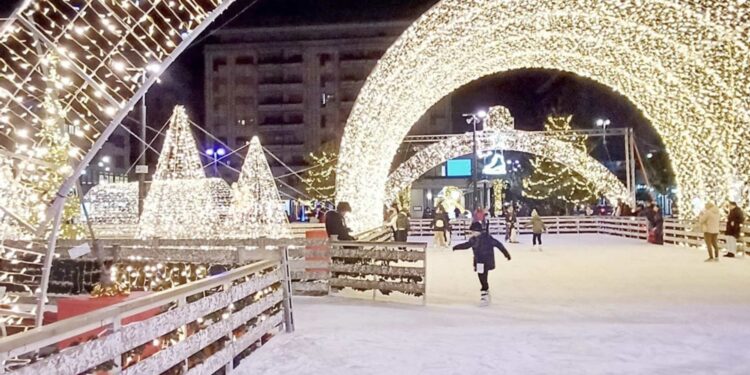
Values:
[(683, 63)]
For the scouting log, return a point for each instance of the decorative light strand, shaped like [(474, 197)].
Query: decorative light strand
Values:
[(683, 63)]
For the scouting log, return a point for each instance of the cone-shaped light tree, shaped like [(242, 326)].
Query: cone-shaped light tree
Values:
[(257, 211), (182, 203)]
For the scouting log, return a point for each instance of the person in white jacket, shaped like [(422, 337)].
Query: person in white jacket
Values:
[(709, 222)]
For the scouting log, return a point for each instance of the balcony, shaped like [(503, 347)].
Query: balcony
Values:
[(270, 127)]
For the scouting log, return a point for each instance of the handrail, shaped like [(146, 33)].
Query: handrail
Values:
[(374, 243), (46, 335)]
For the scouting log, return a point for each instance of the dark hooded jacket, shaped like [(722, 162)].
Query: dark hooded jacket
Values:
[(484, 246)]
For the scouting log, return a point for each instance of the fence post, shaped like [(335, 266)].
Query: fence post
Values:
[(287, 285), (116, 326)]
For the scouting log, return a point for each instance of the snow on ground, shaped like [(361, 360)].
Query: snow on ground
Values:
[(588, 304)]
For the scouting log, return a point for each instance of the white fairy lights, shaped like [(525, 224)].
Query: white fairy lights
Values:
[(113, 203), (99, 50), (510, 140), (683, 63), (257, 211), (182, 203)]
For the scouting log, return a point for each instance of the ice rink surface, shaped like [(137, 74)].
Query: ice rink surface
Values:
[(587, 304)]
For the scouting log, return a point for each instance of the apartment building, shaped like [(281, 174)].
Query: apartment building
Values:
[(295, 86)]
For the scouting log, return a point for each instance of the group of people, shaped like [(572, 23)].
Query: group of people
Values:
[(709, 222)]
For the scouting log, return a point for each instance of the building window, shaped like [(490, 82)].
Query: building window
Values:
[(219, 62), (119, 162), (323, 121), (325, 59), (245, 60)]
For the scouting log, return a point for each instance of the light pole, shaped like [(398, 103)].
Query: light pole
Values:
[(474, 119), (603, 123), (217, 154)]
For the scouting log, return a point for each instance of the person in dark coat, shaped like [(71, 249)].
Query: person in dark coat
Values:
[(483, 245), (402, 227), (734, 228), (656, 222), (336, 223)]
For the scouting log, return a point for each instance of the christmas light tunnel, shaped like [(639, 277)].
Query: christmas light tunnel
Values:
[(684, 64)]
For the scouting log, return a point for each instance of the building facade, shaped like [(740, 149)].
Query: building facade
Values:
[(294, 87)]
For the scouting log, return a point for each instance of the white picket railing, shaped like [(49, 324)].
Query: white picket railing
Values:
[(221, 317)]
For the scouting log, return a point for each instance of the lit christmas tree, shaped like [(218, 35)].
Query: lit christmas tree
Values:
[(320, 180), (53, 148), (257, 211), (555, 181), (182, 203)]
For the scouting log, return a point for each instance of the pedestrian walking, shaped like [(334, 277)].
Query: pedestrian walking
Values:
[(735, 219), (483, 246), (537, 228), (709, 223)]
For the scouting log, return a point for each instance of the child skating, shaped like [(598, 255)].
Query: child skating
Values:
[(483, 245), (537, 228)]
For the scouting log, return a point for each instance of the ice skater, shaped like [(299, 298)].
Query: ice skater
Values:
[(537, 228), (483, 245)]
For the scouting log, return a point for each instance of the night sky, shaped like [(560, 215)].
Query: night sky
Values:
[(530, 94)]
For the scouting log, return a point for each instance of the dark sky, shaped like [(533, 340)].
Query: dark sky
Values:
[(530, 95)]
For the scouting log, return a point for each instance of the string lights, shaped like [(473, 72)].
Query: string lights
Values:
[(256, 211), (558, 151), (182, 203), (113, 203), (552, 180), (684, 64)]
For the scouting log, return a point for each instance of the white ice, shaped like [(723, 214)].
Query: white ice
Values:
[(588, 304)]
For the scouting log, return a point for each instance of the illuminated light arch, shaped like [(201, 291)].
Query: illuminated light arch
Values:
[(510, 140), (684, 64), (108, 55)]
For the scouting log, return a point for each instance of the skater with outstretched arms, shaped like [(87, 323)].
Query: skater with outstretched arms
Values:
[(483, 245)]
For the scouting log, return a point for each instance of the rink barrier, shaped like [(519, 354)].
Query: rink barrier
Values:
[(379, 267), (128, 231), (200, 327), (676, 232)]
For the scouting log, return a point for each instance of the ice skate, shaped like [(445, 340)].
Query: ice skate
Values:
[(484, 300), (709, 260)]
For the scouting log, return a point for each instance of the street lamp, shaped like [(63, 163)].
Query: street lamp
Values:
[(217, 154), (474, 119), (603, 123)]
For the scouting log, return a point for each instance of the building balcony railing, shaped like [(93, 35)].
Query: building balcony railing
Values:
[(279, 126)]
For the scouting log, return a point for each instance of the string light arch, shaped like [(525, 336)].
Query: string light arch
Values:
[(508, 140), (684, 64)]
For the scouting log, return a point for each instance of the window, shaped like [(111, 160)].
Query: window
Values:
[(241, 122), (245, 60), (219, 62), (324, 59), (323, 121), (119, 161)]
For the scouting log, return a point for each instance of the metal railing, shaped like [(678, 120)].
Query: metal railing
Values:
[(210, 323)]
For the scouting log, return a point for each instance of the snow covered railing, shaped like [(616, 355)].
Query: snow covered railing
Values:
[(128, 231), (198, 328), (383, 267)]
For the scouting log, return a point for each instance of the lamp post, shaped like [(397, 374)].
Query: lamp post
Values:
[(217, 154), (474, 119), (603, 123)]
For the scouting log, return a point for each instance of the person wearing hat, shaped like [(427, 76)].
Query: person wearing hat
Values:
[(483, 245)]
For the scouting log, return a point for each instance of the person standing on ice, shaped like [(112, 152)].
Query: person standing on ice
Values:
[(709, 223), (537, 228), (483, 245), (734, 228)]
